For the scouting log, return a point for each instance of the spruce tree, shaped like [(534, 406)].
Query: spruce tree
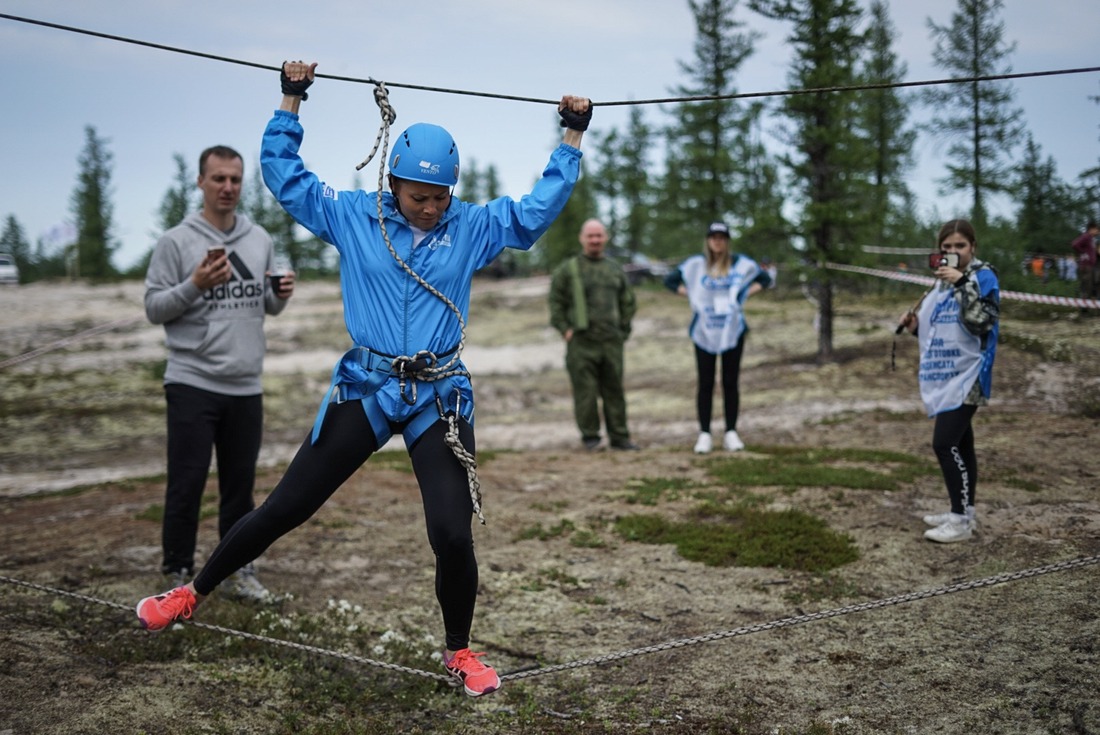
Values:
[(978, 118), (829, 158), (705, 176), (92, 210), (883, 116), (14, 242)]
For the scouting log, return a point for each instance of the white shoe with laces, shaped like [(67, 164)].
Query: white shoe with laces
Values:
[(957, 528), (731, 442), (704, 443), (938, 519)]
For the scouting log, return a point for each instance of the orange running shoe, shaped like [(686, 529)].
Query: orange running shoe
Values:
[(160, 611), (476, 677)]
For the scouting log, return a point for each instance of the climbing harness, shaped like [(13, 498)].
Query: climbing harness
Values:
[(424, 365)]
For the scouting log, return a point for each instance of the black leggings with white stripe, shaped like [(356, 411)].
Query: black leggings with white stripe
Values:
[(953, 443), (345, 443)]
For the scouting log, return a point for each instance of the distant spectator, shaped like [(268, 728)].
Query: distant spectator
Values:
[(769, 267), (1085, 247), (592, 305), (717, 284)]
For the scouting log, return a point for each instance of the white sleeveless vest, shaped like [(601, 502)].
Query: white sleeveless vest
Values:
[(950, 356)]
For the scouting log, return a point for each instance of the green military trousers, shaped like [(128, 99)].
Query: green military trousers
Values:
[(596, 371)]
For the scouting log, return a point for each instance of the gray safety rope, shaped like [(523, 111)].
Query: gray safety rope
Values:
[(466, 458), (65, 342), (430, 369), (800, 619), (240, 633), (1062, 566)]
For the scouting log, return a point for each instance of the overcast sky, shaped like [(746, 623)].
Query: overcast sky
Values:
[(150, 104)]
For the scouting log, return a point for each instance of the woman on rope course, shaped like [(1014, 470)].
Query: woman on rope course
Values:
[(957, 323), (406, 290)]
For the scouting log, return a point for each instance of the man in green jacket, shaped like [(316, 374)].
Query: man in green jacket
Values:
[(592, 304)]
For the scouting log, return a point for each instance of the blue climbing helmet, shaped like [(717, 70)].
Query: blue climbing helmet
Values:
[(425, 153)]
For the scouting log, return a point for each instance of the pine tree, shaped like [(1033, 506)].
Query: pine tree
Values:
[(179, 200), (829, 159), (14, 242), (92, 209), (1048, 213), (470, 184), (764, 230), (883, 116), (623, 185), (978, 118), (705, 177)]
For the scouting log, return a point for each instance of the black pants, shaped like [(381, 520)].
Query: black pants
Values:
[(315, 473), (198, 423), (705, 364), (953, 443)]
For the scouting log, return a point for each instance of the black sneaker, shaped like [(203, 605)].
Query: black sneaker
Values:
[(625, 446), (591, 443)]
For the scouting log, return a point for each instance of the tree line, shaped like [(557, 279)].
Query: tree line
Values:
[(808, 183)]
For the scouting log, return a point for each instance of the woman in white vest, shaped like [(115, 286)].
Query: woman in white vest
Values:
[(957, 324), (717, 283)]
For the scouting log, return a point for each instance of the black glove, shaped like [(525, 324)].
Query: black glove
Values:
[(297, 89), (575, 121)]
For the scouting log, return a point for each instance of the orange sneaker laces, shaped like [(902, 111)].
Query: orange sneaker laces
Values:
[(179, 603), (467, 661)]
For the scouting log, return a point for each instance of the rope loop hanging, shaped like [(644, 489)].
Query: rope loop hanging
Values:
[(389, 115)]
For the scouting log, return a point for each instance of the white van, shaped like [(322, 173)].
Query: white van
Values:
[(9, 271)]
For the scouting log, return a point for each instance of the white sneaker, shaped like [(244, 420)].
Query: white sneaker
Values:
[(938, 519), (956, 529), (732, 443), (243, 585), (704, 443)]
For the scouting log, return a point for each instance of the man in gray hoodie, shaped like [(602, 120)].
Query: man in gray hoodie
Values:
[(208, 284)]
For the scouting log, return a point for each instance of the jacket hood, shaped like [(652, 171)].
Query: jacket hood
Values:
[(241, 227)]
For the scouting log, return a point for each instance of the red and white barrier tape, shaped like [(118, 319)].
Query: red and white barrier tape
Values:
[(927, 281)]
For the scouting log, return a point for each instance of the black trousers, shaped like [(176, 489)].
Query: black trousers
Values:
[(200, 422), (953, 443), (315, 473), (705, 364)]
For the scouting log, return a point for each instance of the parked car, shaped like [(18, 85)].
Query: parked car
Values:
[(640, 267), (9, 271)]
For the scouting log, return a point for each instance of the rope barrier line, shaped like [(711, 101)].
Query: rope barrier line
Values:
[(1034, 298), (516, 98), (823, 615), (1078, 563), (237, 633), (118, 323)]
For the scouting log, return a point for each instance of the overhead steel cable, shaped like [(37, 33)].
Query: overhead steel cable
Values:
[(516, 98)]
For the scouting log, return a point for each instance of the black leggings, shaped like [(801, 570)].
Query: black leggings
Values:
[(953, 443), (317, 470), (705, 364)]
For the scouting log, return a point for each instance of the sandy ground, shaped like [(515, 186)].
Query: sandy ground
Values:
[(81, 454)]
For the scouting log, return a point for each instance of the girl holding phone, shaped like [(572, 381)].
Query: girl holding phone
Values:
[(957, 324)]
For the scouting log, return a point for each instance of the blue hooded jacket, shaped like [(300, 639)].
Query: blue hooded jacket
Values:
[(385, 309)]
